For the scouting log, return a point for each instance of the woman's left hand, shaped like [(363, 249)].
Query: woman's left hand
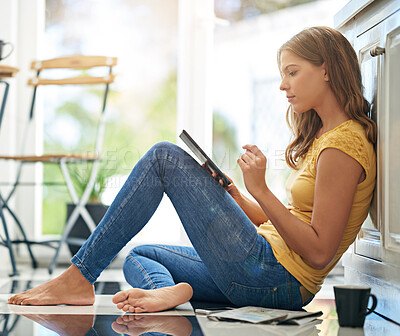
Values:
[(253, 164)]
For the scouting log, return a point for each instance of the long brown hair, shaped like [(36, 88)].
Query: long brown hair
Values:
[(320, 45)]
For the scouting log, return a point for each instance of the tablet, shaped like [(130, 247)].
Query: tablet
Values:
[(202, 156)]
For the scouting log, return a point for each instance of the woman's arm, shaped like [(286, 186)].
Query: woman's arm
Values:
[(250, 208), (336, 183)]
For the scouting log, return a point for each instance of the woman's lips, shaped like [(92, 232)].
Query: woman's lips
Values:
[(290, 98)]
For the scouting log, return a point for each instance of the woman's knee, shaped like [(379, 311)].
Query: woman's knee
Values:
[(166, 150), (133, 270), (137, 251), (143, 250), (127, 265), (142, 270), (165, 145)]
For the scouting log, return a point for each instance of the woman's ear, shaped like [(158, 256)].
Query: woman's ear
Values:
[(326, 76)]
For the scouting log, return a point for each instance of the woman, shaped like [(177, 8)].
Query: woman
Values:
[(244, 252)]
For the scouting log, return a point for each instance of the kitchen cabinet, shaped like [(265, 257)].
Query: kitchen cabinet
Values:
[(373, 28)]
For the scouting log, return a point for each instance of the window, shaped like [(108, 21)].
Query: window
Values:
[(248, 105), (141, 109)]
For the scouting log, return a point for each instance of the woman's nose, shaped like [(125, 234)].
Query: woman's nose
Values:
[(283, 85)]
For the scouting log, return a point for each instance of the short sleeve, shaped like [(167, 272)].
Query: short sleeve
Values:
[(349, 142)]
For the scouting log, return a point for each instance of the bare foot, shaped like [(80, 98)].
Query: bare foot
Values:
[(69, 288), (66, 325), (134, 325), (137, 300)]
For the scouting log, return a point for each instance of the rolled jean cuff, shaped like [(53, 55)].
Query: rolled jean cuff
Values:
[(81, 267)]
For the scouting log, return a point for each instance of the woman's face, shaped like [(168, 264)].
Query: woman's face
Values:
[(305, 84)]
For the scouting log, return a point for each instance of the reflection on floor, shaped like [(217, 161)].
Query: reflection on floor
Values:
[(104, 319), (75, 325)]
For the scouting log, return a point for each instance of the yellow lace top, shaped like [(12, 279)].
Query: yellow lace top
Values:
[(350, 138)]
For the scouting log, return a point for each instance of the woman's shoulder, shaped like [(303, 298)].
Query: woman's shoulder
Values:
[(350, 133), (350, 138)]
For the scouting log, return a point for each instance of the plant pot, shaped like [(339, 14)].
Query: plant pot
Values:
[(80, 229)]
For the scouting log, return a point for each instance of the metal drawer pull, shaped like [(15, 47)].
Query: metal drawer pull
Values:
[(377, 51)]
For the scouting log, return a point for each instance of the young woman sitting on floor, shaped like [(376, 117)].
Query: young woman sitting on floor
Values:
[(245, 252)]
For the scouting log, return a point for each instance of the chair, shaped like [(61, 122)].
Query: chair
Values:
[(77, 62), (7, 71)]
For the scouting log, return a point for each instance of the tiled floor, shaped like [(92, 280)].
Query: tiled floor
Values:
[(104, 319)]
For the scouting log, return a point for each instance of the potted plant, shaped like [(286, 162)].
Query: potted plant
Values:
[(80, 177)]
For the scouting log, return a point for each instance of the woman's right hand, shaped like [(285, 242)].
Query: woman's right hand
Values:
[(231, 188)]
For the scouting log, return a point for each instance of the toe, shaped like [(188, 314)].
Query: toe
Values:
[(126, 308), (120, 296), (18, 300), (14, 299), (119, 328), (130, 318), (26, 302), (139, 310), (131, 309)]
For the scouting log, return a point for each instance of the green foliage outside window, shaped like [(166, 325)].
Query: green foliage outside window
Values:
[(124, 144)]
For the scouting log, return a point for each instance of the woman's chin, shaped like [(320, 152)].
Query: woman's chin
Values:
[(298, 111)]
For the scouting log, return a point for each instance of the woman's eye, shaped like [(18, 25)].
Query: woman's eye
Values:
[(292, 73)]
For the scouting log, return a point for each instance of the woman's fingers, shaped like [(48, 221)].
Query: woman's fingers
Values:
[(253, 149), (230, 187), (215, 174), (252, 158), (241, 163), (249, 155), (248, 158), (205, 167)]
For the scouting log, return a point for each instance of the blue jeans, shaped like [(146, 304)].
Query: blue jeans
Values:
[(229, 261)]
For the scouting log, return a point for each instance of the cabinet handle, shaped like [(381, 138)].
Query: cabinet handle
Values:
[(377, 51)]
